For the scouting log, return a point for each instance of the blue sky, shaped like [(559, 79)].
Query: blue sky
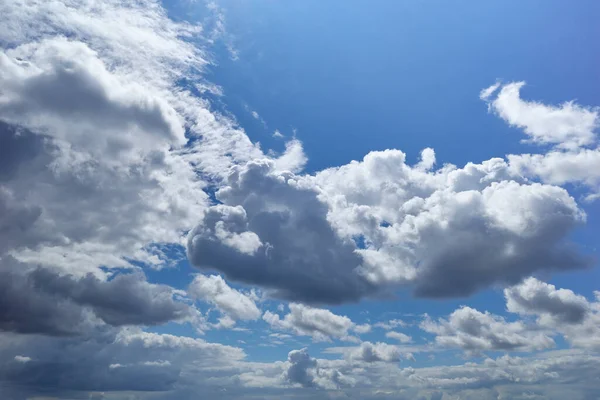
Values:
[(299, 199)]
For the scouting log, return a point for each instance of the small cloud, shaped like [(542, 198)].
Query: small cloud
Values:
[(278, 134), (22, 359)]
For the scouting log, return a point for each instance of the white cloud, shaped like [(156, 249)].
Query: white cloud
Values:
[(293, 158), (320, 324), (399, 336), (233, 303), (474, 331), (374, 352), (581, 166), (22, 359), (567, 126), (451, 231)]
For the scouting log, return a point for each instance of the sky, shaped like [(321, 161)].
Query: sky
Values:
[(299, 200)]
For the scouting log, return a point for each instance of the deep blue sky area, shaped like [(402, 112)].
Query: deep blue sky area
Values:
[(368, 76)]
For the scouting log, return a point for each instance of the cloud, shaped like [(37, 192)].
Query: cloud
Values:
[(91, 99), (375, 352), (235, 304), (42, 301), (567, 126), (300, 365), (283, 240), (453, 231), (293, 158), (391, 324), (123, 360), (532, 297), (401, 337), (559, 167), (558, 310), (474, 331), (320, 324)]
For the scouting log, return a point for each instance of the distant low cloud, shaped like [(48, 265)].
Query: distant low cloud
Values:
[(474, 331)]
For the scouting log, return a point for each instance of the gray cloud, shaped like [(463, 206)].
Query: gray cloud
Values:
[(539, 298), (272, 230), (299, 370), (41, 301)]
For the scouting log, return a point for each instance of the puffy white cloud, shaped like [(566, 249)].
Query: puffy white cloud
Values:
[(474, 331), (214, 289), (399, 336), (556, 306), (374, 352), (568, 125), (321, 324), (452, 231), (580, 166)]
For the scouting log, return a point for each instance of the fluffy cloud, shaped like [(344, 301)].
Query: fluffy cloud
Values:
[(399, 336), (533, 297), (272, 230), (214, 289), (299, 370), (474, 331), (561, 167), (452, 231), (322, 325), (91, 99), (568, 126), (374, 352), (41, 301), (559, 310)]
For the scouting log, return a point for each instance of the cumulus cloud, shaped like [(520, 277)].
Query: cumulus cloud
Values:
[(558, 310), (272, 230), (214, 289), (570, 128), (533, 297), (320, 324), (474, 331), (375, 352), (41, 301), (299, 369), (568, 125), (452, 231), (561, 167)]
